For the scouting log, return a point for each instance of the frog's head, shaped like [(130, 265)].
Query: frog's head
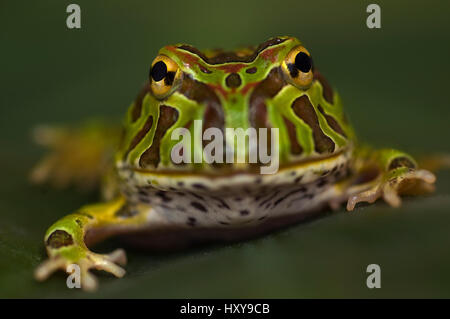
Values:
[(274, 85)]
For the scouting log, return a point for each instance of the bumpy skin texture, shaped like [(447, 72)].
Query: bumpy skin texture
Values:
[(321, 163)]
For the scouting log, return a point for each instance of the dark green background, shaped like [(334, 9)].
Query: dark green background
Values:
[(395, 86)]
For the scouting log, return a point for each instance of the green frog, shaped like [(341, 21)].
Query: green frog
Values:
[(154, 201)]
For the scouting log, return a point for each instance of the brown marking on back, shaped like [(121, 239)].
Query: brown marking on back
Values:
[(203, 94), (263, 90), (332, 122), (271, 54), (186, 57), (137, 106), (248, 87), (140, 135), (219, 89), (303, 109), (270, 86), (167, 117), (296, 149), (327, 90), (221, 57)]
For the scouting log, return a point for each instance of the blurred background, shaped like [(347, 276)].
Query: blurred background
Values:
[(394, 82)]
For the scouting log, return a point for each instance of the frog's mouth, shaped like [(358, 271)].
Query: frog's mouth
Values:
[(300, 172), (237, 169)]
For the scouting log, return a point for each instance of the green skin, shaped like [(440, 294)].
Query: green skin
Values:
[(65, 240), (235, 103)]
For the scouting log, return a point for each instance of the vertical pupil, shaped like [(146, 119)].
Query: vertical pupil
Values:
[(303, 62), (158, 71)]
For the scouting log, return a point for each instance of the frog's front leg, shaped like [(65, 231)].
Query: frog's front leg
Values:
[(67, 240), (387, 174)]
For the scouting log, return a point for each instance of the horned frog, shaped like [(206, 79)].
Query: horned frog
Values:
[(158, 202)]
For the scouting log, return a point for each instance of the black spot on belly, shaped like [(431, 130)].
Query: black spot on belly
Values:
[(281, 199), (197, 196), (199, 206), (163, 196), (244, 212), (199, 186), (269, 199), (322, 182), (298, 179), (325, 172), (223, 204), (191, 221), (126, 212)]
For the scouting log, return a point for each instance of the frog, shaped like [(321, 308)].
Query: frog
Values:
[(152, 201)]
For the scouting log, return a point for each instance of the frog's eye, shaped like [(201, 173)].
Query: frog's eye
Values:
[(164, 75), (297, 67)]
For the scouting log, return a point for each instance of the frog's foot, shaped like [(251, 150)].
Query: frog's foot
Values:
[(85, 260), (67, 241), (402, 181), (78, 156)]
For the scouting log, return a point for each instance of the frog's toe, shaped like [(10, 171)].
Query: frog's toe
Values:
[(368, 196), (411, 182), (101, 262), (109, 263), (45, 269)]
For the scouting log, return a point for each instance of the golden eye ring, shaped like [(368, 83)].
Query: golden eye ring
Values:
[(164, 76), (298, 67)]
